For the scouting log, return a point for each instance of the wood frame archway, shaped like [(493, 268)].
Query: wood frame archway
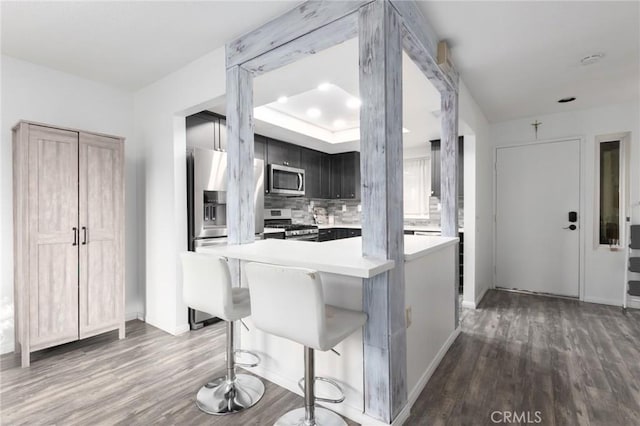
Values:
[(384, 28)]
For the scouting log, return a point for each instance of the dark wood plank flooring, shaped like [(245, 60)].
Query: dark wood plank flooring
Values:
[(576, 363)]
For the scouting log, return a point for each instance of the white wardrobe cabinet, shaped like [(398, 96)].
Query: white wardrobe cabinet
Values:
[(68, 235)]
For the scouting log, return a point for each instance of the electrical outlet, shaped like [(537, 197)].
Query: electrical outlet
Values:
[(344, 207), (359, 208), (407, 316)]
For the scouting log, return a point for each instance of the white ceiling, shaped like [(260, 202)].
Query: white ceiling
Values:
[(127, 44), (420, 99), (518, 58)]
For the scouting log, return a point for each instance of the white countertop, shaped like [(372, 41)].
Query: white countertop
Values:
[(343, 257), (273, 230)]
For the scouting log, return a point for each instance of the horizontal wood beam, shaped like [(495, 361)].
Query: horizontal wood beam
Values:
[(302, 19), (421, 44), (336, 32)]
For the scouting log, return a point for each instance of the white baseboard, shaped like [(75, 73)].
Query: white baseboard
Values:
[(473, 305), (134, 315), (602, 301), (424, 379), (180, 329)]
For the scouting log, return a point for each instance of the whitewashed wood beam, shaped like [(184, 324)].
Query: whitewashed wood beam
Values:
[(324, 37), (302, 19), (240, 155), (449, 175), (382, 208), (421, 44)]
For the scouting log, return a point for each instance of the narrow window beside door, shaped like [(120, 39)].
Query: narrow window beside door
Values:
[(610, 192)]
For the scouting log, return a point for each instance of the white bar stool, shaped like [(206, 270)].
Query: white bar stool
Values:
[(289, 302), (207, 288)]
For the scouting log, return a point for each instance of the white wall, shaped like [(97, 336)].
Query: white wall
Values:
[(33, 92), (478, 193), (603, 269), (159, 111)]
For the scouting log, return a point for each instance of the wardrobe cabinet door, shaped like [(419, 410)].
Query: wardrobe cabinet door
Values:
[(53, 249), (101, 237)]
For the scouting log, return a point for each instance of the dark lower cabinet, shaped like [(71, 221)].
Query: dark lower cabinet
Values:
[(338, 233)]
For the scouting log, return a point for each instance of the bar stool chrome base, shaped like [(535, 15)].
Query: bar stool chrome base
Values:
[(323, 417), (221, 397)]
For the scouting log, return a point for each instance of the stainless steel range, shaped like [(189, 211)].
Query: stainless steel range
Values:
[(281, 218)]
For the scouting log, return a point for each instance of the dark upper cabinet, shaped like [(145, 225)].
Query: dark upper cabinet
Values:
[(207, 130), (260, 152), (283, 153), (325, 176), (350, 185), (336, 176), (345, 175), (435, 167), (311, 162)]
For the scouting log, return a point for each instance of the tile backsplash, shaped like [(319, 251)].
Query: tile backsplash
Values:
[(342, 211)]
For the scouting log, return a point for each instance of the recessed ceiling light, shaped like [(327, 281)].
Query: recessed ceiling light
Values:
[(566, 100), (354, 103), (592, 59), (282, 99), (314, 112), (324, 87), (339, 123)]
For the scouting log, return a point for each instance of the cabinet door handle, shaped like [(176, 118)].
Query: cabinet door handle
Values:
[(75, 236), (84, 235)]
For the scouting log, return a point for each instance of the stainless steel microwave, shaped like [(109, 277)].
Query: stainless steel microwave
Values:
[(285, 180)]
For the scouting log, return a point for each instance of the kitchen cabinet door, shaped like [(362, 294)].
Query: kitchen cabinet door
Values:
[(350, 179), (260, 153), (311, 162), (283, 153), (325, 176), (336, 176), (53, 245), (435, 167), (101, 242), (201, 131)]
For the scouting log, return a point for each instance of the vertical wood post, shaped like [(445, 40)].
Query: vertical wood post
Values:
[(449, 177), (385, 341), (240, 155)]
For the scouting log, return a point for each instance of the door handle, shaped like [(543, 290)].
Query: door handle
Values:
[(84, 235), (75, 236), (300, 181), (572, 227)]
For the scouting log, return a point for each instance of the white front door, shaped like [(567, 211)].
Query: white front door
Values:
[(537, 186)]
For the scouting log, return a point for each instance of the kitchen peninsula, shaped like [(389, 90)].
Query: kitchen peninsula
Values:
[(429, 263)]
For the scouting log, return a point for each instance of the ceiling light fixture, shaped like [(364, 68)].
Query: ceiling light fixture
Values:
[(314, 112), (566, 100), (354, 103), (591, 59), (339, 123), (324, 87), (283, 99)]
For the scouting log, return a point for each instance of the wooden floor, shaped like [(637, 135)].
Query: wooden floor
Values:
[(576, 363)]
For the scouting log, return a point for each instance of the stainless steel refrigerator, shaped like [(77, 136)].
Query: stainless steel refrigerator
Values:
[(207, 206)]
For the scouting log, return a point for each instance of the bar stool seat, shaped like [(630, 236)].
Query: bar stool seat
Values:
[(289, 302), (207, 288)]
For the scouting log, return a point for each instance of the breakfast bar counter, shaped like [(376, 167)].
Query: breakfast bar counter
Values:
[(430, 291)]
